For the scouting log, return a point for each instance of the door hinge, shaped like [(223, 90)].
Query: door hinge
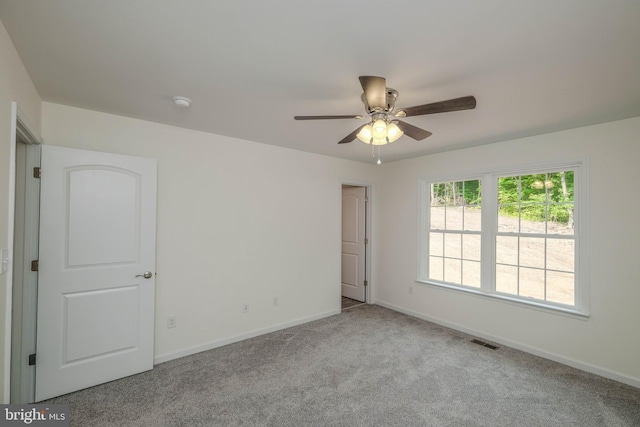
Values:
[(366, 241), (32, 359), (366, 283), (37, 172), (34, 265)]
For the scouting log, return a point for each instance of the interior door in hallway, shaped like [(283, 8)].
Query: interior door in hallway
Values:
[(96, 269), (353, 242)]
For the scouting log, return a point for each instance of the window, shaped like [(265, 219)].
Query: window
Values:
[(512, 236), (535, 241), (454, 232)]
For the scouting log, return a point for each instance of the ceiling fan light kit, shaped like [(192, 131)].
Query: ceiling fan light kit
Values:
[(379, 132), (379, 102)]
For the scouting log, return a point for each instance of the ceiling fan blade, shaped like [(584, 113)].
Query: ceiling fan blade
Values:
[(326, 117), (375, 92), (457, 104), (351, 136), (413, 131)]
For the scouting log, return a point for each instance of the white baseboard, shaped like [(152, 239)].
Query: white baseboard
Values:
[(603, 372), (236, 338)]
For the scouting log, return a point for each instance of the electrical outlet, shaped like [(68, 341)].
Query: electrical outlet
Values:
[(275, 301), (171, 322), (410, 290), (245, 307)]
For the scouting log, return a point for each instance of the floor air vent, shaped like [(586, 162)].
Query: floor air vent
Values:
[(484, 344)]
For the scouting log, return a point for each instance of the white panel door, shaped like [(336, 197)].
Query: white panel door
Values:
[(353, 242), (97, 240)]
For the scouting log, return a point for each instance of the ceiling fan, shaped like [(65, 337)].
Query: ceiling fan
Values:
[(379, 102)]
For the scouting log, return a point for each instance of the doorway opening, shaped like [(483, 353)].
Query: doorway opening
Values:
[(355, 255), (25, 160)]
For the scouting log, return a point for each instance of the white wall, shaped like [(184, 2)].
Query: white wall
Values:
[(15, 86), (238, 222), (607, 342)]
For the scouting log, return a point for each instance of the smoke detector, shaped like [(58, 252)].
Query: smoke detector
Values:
[(181, 101)]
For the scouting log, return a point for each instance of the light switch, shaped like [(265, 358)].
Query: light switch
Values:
[(4, 258)]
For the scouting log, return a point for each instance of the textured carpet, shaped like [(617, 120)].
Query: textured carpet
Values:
[(350, 303), (367, 366)]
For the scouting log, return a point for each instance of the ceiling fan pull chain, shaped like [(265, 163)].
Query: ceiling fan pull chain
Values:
[(379, 161)]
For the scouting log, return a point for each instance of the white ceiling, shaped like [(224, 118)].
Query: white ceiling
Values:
[(251, 65)]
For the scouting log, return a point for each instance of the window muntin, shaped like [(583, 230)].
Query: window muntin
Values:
[(526, 237)]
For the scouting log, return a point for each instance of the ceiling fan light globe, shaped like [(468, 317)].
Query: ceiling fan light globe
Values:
[(379, 141), (379, 129), (365, 134), (393, 132)]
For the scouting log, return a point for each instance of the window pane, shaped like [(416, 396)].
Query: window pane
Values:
[(472, 197), (436, 271), (507, 279), (471, 273), (532, 252), (454, 218), (533, 219), (507, 250), (533, 189), (453, 245), (563, 187), (472, 218), (472, 192), (509, 193), (508, 223), (453, 271), (561, 219), (436, 244), (471, 247), (561, 255), (509, 190), (437, 218), (439, 194), (560, 287), (531, 283)]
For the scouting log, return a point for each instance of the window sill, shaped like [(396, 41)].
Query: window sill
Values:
[(535, 305)]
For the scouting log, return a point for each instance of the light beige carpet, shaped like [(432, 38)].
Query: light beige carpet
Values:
[(368, 366)]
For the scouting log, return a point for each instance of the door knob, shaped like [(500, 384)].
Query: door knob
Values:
[(146, 275)]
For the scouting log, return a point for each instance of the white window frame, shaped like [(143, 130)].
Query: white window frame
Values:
[(489, 207)]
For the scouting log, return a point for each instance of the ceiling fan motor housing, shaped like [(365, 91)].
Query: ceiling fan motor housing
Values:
[(392, 96)]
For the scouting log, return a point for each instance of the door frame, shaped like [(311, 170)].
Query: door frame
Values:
[(368, 292), (21, 132)]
